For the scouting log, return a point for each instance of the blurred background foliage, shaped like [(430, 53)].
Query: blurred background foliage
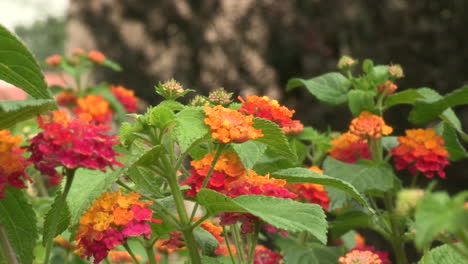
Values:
[(255, 46)]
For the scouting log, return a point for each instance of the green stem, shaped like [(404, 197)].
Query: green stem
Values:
[(414, 181), (219, 151), (164, 258), (129, 250), (185, 222), (5, 247), (238, 243), (150, 253), (199, 221), (253, 242), (61, 202), (396, 235), (228, 245)]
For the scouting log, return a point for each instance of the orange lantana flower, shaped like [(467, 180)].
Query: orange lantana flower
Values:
[(264, 107), (421, 150), (368, 125), (95, 106), (229, 125), (12, 162), (349, 148), (96, 56), (360, 257)]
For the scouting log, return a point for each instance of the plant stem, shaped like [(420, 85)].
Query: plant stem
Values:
[(150, 253), (228, 245), (129, 250), (61, 202), (414, 181), (237, 243), (219, 150), (185, 222), (396, 236), (253, 242), (5, 247)]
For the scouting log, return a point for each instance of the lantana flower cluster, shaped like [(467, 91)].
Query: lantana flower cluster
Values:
[(12, 163), (71, 143), (349, 148), (264, 107), (421, 150), (364, 254), (369, 126), (228, 125), (110, 220), (264, 255)]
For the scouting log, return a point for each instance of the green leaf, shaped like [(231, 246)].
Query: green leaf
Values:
[(379, 74), (303, 175), (433, 105), (147, 156), (12, 112), (173, 105), (88, 185), (111, 64), (274, 138), (160, 116), (63, 219), (145, 179), (190, 127), (452, 144), (281, 213), (437, 212), (367, 65), (349, 220), (409, 96), (443, 255), (330, 88), (19, 221), (272, 161), (249, 152), (294, 253), (321, 140), (360, 100), (205, 240), (18, 66), (389, 142), (364, 178)]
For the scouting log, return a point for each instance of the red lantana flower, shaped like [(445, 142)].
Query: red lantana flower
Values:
[(421, 150), (264, 255), (71, 143), (12, 163), (266, 108), (126, 97), (349, 148)]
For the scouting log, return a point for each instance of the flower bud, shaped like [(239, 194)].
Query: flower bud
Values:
[(406, 201), (396, 71), (170, 90), (198, 100), (220, 96), (346, 62)]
